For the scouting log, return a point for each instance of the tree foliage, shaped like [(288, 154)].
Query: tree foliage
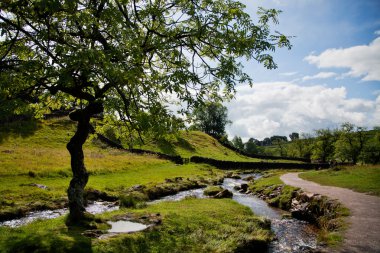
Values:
[(251, 146), (211, 118), (124, 58), (238, 143), (294, 136)]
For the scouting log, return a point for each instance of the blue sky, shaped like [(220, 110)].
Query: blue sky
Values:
[(331, 75)]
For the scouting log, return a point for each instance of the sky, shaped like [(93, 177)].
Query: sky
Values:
[(330, 76)]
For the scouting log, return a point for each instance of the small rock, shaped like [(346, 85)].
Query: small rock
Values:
[(244, 187), (7, 151), (137, 187), (249, 178), (229, 174), (41, 186), (92, 233), (224, 194)]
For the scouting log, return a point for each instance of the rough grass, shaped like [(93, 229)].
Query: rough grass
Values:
[(16, 192), (360, 178), (196, 143), (269, 183), (35, 152), (42, 151), (191, 225)]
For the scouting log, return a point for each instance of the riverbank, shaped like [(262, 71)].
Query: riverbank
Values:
[(327, 214)]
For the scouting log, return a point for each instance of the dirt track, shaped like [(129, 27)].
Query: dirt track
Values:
[(363, 234)]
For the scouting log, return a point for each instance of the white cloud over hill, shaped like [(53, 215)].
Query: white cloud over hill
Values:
[(267, 109)]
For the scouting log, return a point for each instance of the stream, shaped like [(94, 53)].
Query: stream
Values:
[(292, 235), (94, 208)]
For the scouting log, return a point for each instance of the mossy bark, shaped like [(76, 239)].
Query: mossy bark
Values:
[(75, 147)]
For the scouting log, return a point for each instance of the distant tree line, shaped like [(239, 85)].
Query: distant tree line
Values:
[(348, 144)]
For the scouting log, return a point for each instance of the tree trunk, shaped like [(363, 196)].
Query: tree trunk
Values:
[(80, 174)]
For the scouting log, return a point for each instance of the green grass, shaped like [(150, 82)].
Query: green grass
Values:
[(39, 148), (35, 152), (267, 184), (191, 225), (358, 178), (42, 151), (15, 192), (196, 143)]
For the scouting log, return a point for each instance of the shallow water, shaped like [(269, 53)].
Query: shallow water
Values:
[(293, 236), (125, 226), (94, 208), (198, 193)]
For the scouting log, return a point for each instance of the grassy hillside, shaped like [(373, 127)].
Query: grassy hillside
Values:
[(196, 143), (35, 153)]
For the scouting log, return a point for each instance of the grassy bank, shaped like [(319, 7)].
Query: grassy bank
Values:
[(191, 225), (272, 184), (18, 192), (360, 178)]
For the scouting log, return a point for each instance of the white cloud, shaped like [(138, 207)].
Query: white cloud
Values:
[(377, 32), (289, 73), (320, 75), (269, 109), (363, 61)]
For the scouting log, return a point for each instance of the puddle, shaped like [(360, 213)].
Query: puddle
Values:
[(125, 226)]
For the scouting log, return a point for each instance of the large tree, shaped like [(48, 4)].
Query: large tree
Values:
[(350, 143), (125, 57), (211, 118), (323, 148)]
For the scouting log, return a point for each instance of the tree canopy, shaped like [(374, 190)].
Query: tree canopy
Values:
[(211, 118), (124, 58)]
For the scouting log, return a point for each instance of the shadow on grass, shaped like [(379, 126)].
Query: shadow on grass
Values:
[(71, 241), (24, 129), (185, 144), (166, 147)]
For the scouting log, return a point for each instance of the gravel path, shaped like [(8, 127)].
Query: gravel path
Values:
[(363, 234)]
